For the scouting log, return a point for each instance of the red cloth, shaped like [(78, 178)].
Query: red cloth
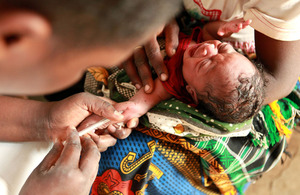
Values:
[(175, 85)]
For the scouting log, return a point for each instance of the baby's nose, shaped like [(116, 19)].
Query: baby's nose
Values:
[(210, 50)]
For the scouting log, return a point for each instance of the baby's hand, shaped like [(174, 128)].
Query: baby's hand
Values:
[(233, 26), (130, 109)]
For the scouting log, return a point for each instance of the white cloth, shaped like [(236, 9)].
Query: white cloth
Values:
[(3, 187), (278, 19), (17, 161)]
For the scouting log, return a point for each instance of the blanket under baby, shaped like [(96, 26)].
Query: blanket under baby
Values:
[(178, 150)]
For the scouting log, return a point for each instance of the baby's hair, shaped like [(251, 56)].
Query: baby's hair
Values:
[(242, 103)]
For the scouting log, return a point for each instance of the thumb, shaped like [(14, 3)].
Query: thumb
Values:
[(103, 107), (51, 158)]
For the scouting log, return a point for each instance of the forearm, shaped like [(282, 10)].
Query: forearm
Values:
[(210, 30), (278, 86), (280, 60), (21, 120), (148, 101)]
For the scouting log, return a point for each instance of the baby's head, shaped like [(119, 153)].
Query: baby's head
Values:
[(223, 82)]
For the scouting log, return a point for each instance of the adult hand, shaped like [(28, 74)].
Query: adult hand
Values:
[(137, 66), (68, 169), (106, 136), (82, 110)]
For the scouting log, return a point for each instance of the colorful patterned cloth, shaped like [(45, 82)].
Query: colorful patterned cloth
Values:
[(152, 162), (186, 152)]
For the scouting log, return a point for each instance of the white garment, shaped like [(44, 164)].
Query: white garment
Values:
[(3, 187), (17, 161), (278, 19)]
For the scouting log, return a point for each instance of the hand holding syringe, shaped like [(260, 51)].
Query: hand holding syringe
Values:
[(93, 127)]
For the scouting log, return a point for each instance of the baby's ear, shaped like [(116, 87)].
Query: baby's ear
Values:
[(193, 93)]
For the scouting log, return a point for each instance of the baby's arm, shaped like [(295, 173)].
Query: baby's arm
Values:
[(142, 102), (221, 29)]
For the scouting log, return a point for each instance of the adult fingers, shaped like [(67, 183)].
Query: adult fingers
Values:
[(90, 157), (51, 158), (103, 141), (143, 67), (92, 119), (132, 123), (172, 39), (156, 60), (105, 108), (132, 72), (71, 152), (121, 133), (100, 106)]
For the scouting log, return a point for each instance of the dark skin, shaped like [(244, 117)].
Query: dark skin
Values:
[(137, 66), (281, 63), (280, 60)]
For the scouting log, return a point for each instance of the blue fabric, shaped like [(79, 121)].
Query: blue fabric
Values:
[(171, 181)]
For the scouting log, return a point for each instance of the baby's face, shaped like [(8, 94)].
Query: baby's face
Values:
[(215, 63)]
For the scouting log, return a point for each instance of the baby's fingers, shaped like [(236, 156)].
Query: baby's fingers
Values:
[(246, 23)]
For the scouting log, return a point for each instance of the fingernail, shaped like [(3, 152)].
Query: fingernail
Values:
[(204, 52), (73, 129), (173, 51), (86, 136), (74, 133), (163, 77), (112, 128), (133, 124), (118, 114), (138, 86), (147, 87)]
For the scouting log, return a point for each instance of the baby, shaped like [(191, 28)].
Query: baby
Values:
[(209, 75)]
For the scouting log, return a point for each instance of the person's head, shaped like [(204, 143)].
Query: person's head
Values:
[(45, 45), (222, 81)]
